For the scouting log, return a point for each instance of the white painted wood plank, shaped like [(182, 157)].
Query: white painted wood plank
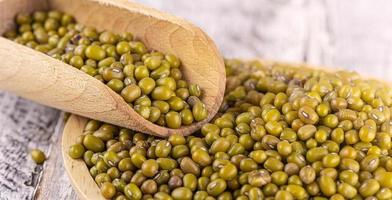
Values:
[(23, 126), (356, 35), (361, 36), (248, 28)]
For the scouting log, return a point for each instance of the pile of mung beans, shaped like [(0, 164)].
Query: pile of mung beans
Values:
[(282, 132), (149, 81)]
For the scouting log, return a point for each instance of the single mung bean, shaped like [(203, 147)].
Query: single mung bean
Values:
[(38, 156)]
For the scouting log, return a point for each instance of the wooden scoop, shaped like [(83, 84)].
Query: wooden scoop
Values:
[(43, 79)]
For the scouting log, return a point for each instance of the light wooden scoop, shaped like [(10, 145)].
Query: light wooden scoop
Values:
[(38, 77)]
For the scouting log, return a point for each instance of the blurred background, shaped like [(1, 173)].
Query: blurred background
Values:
[(356, 35)]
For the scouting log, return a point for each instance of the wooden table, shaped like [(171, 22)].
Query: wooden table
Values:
[(354, 34)]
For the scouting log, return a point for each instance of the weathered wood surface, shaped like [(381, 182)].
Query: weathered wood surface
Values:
[(352, 34), (55, 183), (23, 126)]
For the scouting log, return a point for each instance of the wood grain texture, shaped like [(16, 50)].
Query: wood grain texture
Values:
[(315, 31), (41, 78)]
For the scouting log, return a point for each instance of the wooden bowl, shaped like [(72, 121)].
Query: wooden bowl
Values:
[(77, 170)]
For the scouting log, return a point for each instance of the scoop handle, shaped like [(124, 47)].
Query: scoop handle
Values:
[(38, 77)]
